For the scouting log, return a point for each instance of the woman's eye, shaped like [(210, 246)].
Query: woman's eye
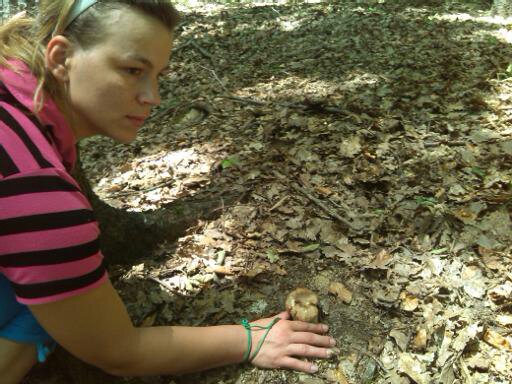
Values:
[(134, 71)]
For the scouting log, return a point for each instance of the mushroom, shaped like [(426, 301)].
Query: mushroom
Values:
[(302, 304)]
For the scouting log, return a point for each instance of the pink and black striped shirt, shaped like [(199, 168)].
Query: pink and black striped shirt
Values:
[(49, 247)]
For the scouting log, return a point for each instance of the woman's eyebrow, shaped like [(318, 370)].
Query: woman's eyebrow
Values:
[(144, 60)]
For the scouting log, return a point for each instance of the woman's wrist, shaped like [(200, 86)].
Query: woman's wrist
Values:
[(241, 344)]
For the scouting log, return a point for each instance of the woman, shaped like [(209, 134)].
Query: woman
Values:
[(85, 68)]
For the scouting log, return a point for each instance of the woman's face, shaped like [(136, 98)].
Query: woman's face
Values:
[(113, 85)]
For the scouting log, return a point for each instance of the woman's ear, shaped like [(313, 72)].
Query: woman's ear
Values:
[(58, 51)]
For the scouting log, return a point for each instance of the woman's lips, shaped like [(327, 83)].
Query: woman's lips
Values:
[(137, 121)]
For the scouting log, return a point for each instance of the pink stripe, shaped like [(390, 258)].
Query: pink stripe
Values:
[(41, 203), (45, 273), (63, 174), (60, 296), (50, 239)]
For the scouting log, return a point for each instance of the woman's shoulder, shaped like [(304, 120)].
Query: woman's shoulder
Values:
[(25, 144)]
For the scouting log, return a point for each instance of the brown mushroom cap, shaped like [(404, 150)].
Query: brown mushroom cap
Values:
[(302, 305)]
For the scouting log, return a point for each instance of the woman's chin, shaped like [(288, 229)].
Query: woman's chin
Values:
[(125, 139), (122, 136)]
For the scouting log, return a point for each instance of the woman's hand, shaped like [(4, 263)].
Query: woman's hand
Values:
[(288, 341)]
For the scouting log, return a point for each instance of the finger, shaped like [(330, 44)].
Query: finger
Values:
[(299, 365), (306, 350), (301, 326), (284, 315), (312, 339)]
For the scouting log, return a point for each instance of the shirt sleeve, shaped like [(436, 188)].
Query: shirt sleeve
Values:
[(49, 238)]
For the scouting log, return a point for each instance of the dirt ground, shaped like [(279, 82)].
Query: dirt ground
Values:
[(369, 148)]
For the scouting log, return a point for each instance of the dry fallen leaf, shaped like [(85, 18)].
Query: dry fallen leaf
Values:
[(220, 269), (336, 376), (350, 146), (149, 320), (382, 259), (479, 362), (501, 292), (338, 289), (496, 340), (409, 301), (419, 342), (504, 320), (413, 368), (400, 338), (324, 190)]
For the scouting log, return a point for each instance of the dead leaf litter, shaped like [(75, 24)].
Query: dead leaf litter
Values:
[(370, 143)]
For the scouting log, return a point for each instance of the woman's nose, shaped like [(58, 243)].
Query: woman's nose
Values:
[(150, 94)]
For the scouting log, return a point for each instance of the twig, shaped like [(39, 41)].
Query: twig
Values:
[(165, 285), (181, 46), (216, 78), (202, 51), (148, 189), (244, 100), (326, 209), (429, 144), (164, 111), (374, 358), (279, 203), (248, 124)]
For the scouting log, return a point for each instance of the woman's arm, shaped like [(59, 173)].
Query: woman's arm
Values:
[(96, 328)]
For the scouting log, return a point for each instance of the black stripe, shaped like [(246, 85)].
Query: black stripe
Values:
[(7, 166), (50, 256), (10, 99), (6, 96), (45, 221), (12, 123), (33, 291), (35, 184)]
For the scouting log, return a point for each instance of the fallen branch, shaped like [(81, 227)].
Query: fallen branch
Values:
[(318, 202), (302, 107)]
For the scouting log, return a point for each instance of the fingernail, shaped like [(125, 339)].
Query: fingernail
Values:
[(332, 341), (325, 328), (314, 368)]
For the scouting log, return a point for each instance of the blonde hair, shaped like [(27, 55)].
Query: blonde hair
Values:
[(25, 39)]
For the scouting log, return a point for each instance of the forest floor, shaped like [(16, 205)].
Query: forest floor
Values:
[(369, 144)]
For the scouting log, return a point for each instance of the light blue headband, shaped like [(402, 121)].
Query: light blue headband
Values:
[(79, 7)]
